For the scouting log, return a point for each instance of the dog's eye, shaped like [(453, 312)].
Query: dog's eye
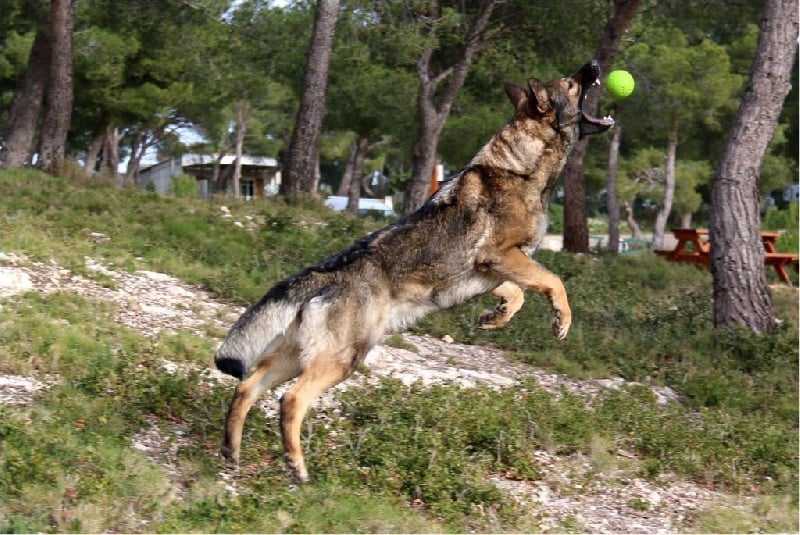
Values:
[(571, 84)]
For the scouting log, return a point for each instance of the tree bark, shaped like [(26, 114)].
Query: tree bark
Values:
[(636, 231), (431, 119), (302, 157), (95, 149), (741, 294), (347, 176), (216, 175), (143, 140), (138, 147), (576, 227), (110, 162), (431, 123), (612, 207), (103, 148), (23, 117), (669, 189), (354, 191), (242, 116), (58, 101)]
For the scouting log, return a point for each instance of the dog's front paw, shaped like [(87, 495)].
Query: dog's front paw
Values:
[(561, 324)]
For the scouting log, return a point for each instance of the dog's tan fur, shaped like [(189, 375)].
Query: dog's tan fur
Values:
[(474, 236)]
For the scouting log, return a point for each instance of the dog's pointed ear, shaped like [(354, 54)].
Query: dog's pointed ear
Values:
[(540, 100), (517, 95)]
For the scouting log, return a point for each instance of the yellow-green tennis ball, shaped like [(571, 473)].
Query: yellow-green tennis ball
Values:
[(619, 83)]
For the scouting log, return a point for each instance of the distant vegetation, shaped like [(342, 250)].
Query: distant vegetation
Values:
[(67, 460)]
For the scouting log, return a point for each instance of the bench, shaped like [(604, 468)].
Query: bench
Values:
[(780, 261), (694, 247)]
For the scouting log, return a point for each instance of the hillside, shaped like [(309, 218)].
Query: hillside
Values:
[(111, 309)]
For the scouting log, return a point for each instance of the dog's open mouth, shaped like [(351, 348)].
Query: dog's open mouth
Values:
[(589, 76)]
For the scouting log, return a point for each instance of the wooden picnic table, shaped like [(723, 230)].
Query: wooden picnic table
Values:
[(694, 246)]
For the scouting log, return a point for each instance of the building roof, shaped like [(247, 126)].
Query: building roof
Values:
[(188, 160), (338, 203)]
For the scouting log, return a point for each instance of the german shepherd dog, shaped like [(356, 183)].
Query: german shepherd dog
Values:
[(473, 236)]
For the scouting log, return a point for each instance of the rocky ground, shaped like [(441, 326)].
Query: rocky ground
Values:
[(574, 492)]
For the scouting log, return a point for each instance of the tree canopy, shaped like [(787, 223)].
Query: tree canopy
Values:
[(145, 73)]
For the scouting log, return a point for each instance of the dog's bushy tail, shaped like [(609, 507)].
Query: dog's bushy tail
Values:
[(262, 326)]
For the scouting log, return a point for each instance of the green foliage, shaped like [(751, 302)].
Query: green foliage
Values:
[(641, 174), (14, 55), (689, 176), (190, 238), (183, 186), (392, 458), (555, 224), (786, 221), (645, 320), (147, 69), (686, 82)]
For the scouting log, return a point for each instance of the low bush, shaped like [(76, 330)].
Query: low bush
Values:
[(394, 457)]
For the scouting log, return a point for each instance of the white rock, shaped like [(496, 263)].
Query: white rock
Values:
[(14, 281)]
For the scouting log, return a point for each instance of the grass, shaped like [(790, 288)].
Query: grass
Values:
[(395, 458)]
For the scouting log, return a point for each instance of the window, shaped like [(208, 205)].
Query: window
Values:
[(247, 189)]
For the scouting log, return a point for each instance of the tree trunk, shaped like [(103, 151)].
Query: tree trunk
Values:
[(669, 189), (103, 148), (224, 176), (612, 207), (133, 161), (636, 231), (242, 116), (313, 186), (95, 149), (347, 176), (359, 155), (218, 177), (142, 141), (302, 156), (110, 162), (686, 220), (58, 101), (431, 119), (576, 224), (23, 117), (366, 180), (741, 295), (431, 123), (217, 185), (576, 228)]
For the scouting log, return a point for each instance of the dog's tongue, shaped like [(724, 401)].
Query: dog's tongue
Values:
[(603, 122)]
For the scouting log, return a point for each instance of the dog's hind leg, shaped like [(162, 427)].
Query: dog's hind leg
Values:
[(511, 300), (320, 375), (271, 371)]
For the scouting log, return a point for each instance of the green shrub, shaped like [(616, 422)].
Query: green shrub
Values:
[(556, 219), (787, 221), (183, 186), (416, 457)]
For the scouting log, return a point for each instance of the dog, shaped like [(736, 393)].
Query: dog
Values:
[(475, 235)]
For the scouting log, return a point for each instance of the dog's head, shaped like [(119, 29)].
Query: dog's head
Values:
[(559, 103)]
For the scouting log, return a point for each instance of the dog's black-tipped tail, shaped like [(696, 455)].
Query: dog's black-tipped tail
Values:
[(231, 366), (253, 334)]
